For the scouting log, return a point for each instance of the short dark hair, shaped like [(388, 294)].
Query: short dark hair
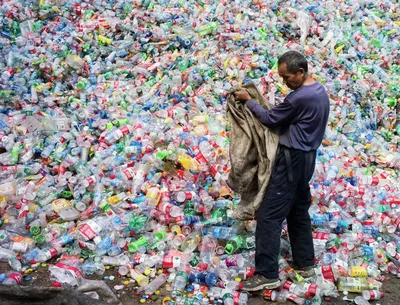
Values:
[(294, 62)]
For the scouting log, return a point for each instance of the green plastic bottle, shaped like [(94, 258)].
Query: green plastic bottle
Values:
[(208, 28)]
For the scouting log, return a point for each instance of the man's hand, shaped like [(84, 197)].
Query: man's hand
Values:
[(242, 95)]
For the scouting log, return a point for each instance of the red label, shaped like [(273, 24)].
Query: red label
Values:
[(200, 158), (328, 273), (236, 296), (287, 285), (168, 262), (386, 187), (73, 269), (292, 297), (213, 171), (397, 221), (124, 130), (53, 252), (137, 258), (249, 272), (68, 257), (336, 213), (321, 235), (87, 231), (16, 277), (164, 195), (312, 289), (188, 195), (23, 213), (127, 173), (268, 294)]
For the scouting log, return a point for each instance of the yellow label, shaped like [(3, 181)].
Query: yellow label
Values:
[(358, 271), (60, 204), (154, 193), (114, 199)]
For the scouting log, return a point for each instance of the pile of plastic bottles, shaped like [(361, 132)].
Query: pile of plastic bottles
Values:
[(115, 142)]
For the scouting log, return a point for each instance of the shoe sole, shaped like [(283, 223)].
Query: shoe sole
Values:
[(263, 286)]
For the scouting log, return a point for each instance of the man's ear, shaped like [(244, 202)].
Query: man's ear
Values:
[(301, 71)]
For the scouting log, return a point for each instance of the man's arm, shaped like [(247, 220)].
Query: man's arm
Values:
[(282, 114)]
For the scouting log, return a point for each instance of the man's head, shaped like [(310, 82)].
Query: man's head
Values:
[(293, 68)]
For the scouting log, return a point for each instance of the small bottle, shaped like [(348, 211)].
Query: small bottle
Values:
[(372, 294), (15, 264), (12, 279)]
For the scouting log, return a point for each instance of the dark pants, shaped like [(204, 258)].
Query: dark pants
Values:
[(287, 196)]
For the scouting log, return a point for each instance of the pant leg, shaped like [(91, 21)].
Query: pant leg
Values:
[(299, 223), (274, 209)]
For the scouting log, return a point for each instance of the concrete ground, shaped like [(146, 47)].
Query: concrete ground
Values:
[(41, 278)]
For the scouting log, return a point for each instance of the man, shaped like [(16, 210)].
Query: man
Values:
[(302, 118)]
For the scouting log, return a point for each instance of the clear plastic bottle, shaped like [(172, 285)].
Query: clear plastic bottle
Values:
[(13, 279), (155, 284), (372, 295)]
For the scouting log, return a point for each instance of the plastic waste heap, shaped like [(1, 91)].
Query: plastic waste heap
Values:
[(114, 142)]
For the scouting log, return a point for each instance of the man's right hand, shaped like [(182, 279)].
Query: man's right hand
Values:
[(242, 95)]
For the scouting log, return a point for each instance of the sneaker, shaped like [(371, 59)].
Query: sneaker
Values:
[(258, 282), (305, 272)]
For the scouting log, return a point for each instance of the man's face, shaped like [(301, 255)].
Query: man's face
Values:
[(293, 81)]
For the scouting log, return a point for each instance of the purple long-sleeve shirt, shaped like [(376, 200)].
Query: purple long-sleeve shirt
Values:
[(302, 117)]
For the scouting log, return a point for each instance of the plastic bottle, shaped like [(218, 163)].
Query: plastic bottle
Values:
[(372, 294), (13, 279), (140, 279), (275, 296), (352, 284), (191, 241), (155, 284), (15, 264)]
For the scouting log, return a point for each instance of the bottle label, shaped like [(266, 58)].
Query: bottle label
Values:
[(17, 277), (236, 297), (311, 288), (321, 235), (74, 270), (164, 194), (372, 295), (200, 158), (327, 273), (91, 180), (293, 298), (128, 173), (248, 272), (89, 229), (60, 204), (214, 172), (288, 286), (53, 252), (124, 130), (268, 294), (231, 261), (358, 271)]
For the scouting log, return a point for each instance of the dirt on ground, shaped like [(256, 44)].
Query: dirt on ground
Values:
[(41, 278)]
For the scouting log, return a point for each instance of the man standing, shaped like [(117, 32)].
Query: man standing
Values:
[(302, 119)]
